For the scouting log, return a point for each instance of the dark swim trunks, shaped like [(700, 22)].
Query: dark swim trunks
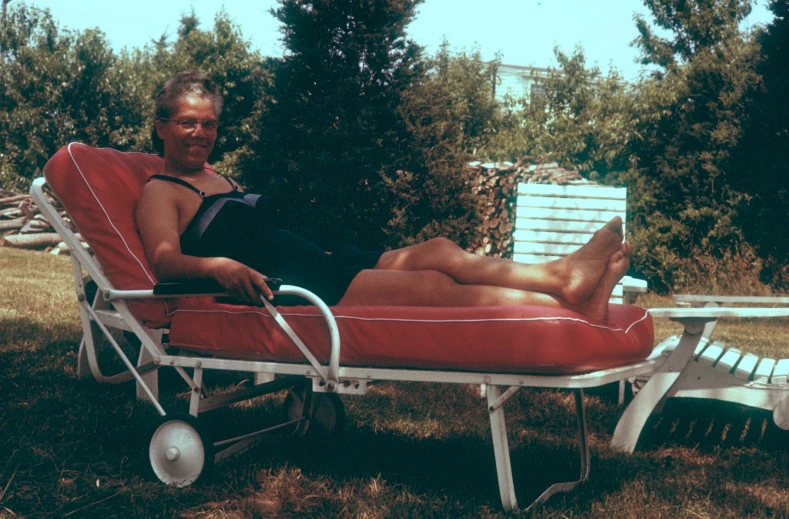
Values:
[(238, 226)]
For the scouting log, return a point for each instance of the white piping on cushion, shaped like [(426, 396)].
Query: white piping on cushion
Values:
[(437, 321), (643, 318)]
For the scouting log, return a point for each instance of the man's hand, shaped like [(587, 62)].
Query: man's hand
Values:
[(241, 282)]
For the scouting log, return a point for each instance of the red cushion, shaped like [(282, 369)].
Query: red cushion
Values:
[(528, 339), (99, 189)]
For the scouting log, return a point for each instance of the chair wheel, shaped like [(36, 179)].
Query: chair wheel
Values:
[(328, 411), (180, 452)]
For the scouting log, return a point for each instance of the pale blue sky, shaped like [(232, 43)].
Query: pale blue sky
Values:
[(524, 31)]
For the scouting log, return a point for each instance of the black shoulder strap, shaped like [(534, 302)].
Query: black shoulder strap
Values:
[(178, 181), (235, 187)]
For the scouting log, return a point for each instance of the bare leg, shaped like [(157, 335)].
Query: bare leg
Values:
[(432, 288), (597, 305), (573, 278)]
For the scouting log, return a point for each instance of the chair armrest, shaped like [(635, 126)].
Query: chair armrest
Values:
[(709, 314), (698, 299), (630, 284), (191, 287), (194, 286), (205, 286)]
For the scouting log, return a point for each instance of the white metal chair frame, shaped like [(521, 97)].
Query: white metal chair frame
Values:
[(110, 310)]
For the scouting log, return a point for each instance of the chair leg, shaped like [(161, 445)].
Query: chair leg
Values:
[(583, 435), (632, 422), (151, 379), (92, 339), (709, 328), (194, 400), (83, 365), (583, 447), (90, 333), (501, 450), (262, 378)]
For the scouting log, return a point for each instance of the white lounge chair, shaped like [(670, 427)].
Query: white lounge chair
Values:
[(717, 371)]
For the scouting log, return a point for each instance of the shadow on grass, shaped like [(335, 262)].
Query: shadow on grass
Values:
[(458, 465), (459, 468), (712, 425)]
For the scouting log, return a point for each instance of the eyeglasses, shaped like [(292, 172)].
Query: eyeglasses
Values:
[(190, 125)]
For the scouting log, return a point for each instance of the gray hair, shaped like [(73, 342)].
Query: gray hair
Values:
[(185, 84)]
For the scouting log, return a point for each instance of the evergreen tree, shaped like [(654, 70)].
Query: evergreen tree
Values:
[(332, 129), (762, 155)]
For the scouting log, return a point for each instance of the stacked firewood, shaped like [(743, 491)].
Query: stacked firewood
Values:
[(23, 226), (498, 188)]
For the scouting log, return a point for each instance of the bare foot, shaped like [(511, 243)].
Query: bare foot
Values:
[(597, 306), (585, 267)]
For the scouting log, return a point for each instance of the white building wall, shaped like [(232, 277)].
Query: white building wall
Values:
[(518, 80)]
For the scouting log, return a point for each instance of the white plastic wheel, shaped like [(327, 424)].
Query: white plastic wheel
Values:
[(179, 453)]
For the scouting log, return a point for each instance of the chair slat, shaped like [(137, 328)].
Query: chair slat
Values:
[(729, 360), (574, 191), (577, 204), (581, 226), (569, 238), (780, 372), (550, 249), (764, 371), (746, 367), (537, 213), (711, 354)]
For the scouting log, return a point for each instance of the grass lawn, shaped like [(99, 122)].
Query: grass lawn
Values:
[(72, 448)]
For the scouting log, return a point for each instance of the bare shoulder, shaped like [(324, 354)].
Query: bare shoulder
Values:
[(155, 188), (157, 199), (158, 193)]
